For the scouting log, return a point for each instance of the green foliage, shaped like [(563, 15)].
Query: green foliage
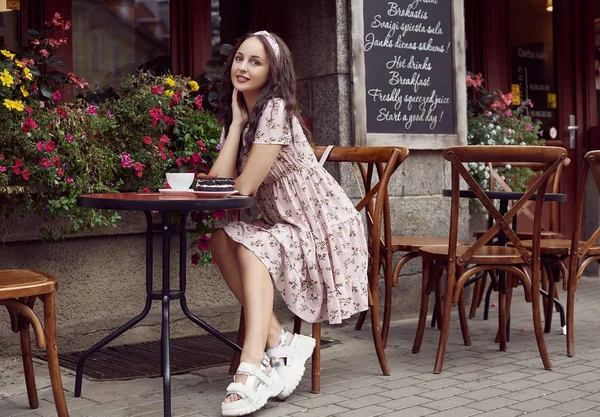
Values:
[(493, 120)]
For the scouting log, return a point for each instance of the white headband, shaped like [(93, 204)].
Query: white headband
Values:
[(272, 41)]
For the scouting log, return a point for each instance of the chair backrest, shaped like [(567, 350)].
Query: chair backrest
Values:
[(591, 160), (536, 167), (375, 201), (551, 158)]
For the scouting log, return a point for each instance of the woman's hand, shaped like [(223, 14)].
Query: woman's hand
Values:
[(239, 113), (209, 175)]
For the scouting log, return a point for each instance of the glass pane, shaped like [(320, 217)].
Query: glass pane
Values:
[(532, 59), (10, 30), (112, 38)]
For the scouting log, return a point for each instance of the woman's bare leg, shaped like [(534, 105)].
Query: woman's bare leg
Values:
[(249, 280)]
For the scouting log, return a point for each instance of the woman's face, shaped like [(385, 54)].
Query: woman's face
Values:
[(250, 69)]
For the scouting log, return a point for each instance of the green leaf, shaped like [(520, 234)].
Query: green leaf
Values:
[(55, 61), (46, 90), (33, 34)]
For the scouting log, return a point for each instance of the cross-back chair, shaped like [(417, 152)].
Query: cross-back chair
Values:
[(19, 290), (547, 232), (570, 257), (383, 161), (464, 262)]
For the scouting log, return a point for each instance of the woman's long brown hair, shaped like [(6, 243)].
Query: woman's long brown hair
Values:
[(280, 84)]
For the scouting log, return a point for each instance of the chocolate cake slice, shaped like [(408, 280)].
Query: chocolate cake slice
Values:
[(214, 184)]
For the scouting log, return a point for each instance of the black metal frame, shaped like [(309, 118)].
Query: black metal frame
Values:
[(165, 295)]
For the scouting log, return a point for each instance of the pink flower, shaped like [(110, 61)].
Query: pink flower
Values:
[(126, 160), (25, 174), (168, 120), (157, 89), (2, 169), (16, 170), (62, 112), (18, 162), (218, 214), (69, 138), (44, 53), (155, 113), (203, 242), (60, 172), (146, 190), (42, 105), (164, 139), (30, 122), (201, 144), (507, 98), (474, 82), (195, 258), (109, 114), (196, 159), (92, 109), (56, 95), (528, 127), (199, 101), (56, 161), (147, 140), (28, 109), (69, 180), (39, 146), (45, 163), (138, 166), (508, 113), (179, 162), (49, 146), (1, 157)]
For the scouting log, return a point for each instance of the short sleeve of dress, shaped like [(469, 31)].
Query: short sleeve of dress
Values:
[(273, 128)]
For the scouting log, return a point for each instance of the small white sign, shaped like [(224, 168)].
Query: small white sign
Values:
[(553, 132)]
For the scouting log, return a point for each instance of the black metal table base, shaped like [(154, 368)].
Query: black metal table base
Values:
[(166, 295)]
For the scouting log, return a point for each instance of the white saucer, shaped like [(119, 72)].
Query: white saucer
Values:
[(176, 193), (213, 194)]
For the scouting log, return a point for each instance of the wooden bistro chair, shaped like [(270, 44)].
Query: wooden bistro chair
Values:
[(568, 258), (547, 232), (464, 262), (370, 160), (18, 291)]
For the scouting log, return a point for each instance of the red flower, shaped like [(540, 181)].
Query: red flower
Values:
[(203, 242), (169, 120), (45, 163), (16, 170), (69, 180), (25, 174), (146, 190), (60, 172), (199, 101), (195, 258), (147, 140), (1, 157), (164, 139), (18, 162), (49, 146), (56, 95), (56, 161), (62, 112), (157, 89), (201, 144), (28, 109)]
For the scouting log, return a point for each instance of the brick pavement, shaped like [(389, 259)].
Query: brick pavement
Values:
[(476, 381)]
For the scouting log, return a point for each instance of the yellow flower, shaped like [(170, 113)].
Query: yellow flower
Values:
[(24, 92), (7, 54), (27, 73), (19, 63), (194, 86), (169, 93), (6, 78), (14, 105), (170, 82)]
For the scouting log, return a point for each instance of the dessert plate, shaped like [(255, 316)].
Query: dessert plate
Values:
[(176, 193), (213, 194)]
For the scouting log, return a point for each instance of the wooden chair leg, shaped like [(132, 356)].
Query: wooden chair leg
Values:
[(235, 360), (315, 386), (424, 307), (570, 315), (549, 304), (28, 366), (502, 318), (376, 326), (439, 302), (462, 313), (445, 321), (52, 353), (297, 325), (361, 319), (537, 320)]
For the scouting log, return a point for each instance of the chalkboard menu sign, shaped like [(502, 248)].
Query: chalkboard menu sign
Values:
[(409, 66)]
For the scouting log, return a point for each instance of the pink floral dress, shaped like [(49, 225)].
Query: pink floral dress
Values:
[(309, 236)]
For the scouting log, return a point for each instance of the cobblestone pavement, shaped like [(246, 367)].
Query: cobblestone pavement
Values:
[(477, 381)]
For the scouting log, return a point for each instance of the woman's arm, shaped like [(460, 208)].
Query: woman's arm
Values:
[(225, 165), (260, 160)]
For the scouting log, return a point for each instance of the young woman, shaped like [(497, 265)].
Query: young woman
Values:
[(309, 242)]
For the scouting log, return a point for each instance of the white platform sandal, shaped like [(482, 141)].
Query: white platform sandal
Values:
[(294, 356), (254, 393)]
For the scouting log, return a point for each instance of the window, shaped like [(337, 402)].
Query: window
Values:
[(112, 38)]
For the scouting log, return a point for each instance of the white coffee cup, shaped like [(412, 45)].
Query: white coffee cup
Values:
[(180, 180)]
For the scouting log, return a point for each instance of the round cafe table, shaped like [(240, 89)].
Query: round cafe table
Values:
[(165, 205)]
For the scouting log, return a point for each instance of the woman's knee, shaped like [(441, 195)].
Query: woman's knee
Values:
[(219, 243)]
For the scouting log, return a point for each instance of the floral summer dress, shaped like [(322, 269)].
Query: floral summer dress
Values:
[(310, 237)]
